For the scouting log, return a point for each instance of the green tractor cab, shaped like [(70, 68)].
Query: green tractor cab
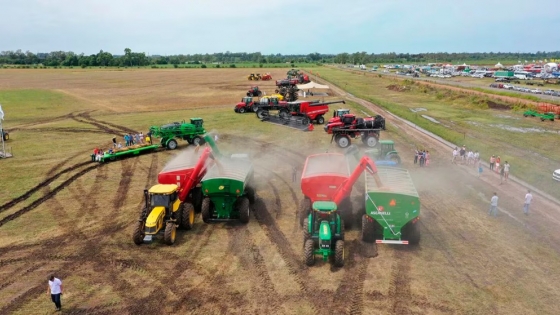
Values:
[(385, 151), (323, 234), (160, 213), (191, 132)]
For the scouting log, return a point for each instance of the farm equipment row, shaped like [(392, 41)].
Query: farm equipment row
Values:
[(543, 116), (258, 76)]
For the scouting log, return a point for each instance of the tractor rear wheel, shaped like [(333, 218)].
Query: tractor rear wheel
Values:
[(138, 234), (339, 253), (320, 119), (205, 210), (304, 209), (187, 216), (170, 233), (241, 110), (394, 157), (198, 140), (306, 233), (308, 252), (343, 141), (368, 229), (371, 141), (172, 144), (243, 208)]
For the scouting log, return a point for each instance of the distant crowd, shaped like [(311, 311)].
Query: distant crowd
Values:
[(422, 157)]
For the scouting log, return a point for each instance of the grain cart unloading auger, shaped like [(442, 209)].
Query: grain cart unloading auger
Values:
[(324, 223), (172, 201)]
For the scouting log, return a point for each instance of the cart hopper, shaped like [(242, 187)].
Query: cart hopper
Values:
[(323, 174), (181, 167)]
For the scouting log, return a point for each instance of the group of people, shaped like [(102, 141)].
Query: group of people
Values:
[(465, 156), (98, 153), (422, 157), (132, 139), (494, 204)]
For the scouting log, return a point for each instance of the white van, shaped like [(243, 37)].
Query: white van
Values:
[(521, 75)]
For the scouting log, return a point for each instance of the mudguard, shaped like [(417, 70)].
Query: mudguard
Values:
[(154, 222)]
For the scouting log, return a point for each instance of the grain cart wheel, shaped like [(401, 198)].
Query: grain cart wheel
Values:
[(343, 141), (205, 210), (241, 110), (172, 144), (394, 157), (412, 234), (320, 119), (243, 208), (308, 252), (339, 253), (304, 209), (138, 234), (187, 216), (368, 229), (250, 191), (198, 140), (371, 141), (170, 233), (306, 233)]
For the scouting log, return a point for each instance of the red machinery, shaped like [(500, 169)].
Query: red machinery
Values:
[(254, 91), (327, 177), (311, 111), (186, 171), (266, 77), (349, 126)]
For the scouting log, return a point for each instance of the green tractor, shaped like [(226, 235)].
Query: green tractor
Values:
[(385, 151), (530, 113), (227, 187), (191, 132), (323, 234), (546, 116)]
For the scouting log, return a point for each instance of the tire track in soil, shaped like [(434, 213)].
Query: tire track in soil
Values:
[(64, 130), (399, 290), (293, 261), (351, 287), (104, 124)]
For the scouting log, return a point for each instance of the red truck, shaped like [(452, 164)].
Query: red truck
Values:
[(327, 177), (310, 111)]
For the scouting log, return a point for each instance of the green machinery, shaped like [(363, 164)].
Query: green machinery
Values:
[(323, 234), (227, 187), (392, 208), (126, 152), (544, 116), (191, 132), (384, 151)]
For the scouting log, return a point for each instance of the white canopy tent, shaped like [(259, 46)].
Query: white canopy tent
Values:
[(498, 65), (312, 85)]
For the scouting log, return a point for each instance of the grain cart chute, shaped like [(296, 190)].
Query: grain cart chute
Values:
[(171, 203), (392, 210), (191, 132), (327, 177), (323, 234)]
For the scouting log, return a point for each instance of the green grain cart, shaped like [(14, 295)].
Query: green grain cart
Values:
[(227, 187), (392, 208)]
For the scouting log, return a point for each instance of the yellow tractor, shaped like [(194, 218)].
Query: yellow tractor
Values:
[(254, 77), (163, 210)]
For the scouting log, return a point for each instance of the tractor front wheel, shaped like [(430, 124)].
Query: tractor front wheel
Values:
[(187, 216), (308, 252), (205, 210), (241, 110), (304, 209), (339, 254), (368, 229), (343, 141), (172, 144), (261, 113), (394, 157), (320, 119), (170, 233), (138, 234), (243, 208), (198, 141)]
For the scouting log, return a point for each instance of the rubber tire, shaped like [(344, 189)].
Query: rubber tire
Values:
[(198, 140), (284, 114), (372, 138), (339, 254), (368, 229), (6, 136), (341, 230), (308, 255), (172, 144), (343, 141), (250, 193), (243, 208), (170, 233), (187, 216), (413, 234), (306, 233), (241, 110), (138, 234), (320, 119), (395, 158), (304, 209), (261, 113), (205, 210)]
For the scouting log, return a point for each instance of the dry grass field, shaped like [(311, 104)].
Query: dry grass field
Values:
[(61, 213)]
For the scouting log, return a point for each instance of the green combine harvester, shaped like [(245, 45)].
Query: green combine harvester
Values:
[(227, 187), (191, 132), (392, 208)]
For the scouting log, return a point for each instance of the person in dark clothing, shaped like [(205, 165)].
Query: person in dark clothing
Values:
[(422, 158), (416, 156), (115, 141)]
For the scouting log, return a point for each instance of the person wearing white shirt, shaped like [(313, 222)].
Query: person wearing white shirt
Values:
[(493, 205), (55, 290), (528, 199), (506, 170)]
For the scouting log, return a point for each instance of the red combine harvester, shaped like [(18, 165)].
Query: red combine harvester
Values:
[(344, 126), (310, 111), (266, 77), (327, 177)]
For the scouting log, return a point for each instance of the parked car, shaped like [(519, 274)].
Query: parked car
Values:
[(555, 93), (536, 91), (502, 80), (508, 86), (556, 175)]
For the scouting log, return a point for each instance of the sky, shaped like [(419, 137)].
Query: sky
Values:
[(169, 27)]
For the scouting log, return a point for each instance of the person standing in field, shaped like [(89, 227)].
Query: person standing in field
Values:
[(492, 161), (427, 157), (462, 154), (497, 165), (479, 168), (501, 170), (115, 141), (416, 156), (506, 171), (454, 157), (494, 205), (528, 199), (55, 291)]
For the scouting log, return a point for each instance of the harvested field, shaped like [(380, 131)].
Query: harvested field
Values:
[(60, 213)]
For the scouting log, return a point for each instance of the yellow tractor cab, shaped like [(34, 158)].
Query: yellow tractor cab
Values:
[(161, 213)]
